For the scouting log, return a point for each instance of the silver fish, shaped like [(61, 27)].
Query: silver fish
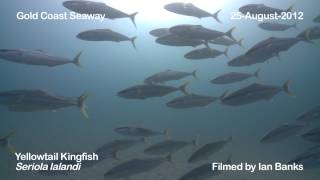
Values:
[(273, 26), (150, 90), (38, 100), (310, 158), (189, 9), (105, 35), (5, 142), (312, 135), (233, 77), (225, 41), (199, 32), (203, 172), (135, 131), (175, 40), (192, 100), (247, 60), (135, 166), (160, 32), (254, 93), (208, 150), (205, 53), (169, 75), (168, 147), (281, 133), (36, 57), (310, 115), (262, 9), (90, 7)]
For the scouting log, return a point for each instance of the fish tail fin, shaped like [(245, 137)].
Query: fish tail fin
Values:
[(240, 42), (224, 94), (195, 141), (76, 59), (183, 88), (168, 158), (82, 105), (215, 16), (8, 137), (206, 43), (286, 89), (132, 17), (225, 52), (290, 8), (256, 74), (166, 133), (229, 33), (132, 40), (194, 74)]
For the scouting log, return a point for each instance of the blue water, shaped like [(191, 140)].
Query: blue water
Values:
[(110, 67)]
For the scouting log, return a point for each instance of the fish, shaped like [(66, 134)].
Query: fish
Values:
[(39, 100), (225, 41), (310, 158), (251, 59), (37, 57), (254, 93), (310, 115), (312, 135), (205, 53), (207, 150), (145, 91), (273, 26), (203, 172), (135, 131), (254, 9), (281, 133), (90, 7), (317, 19), (233, 77), (193, 100), (159, 32), (135, 166), (105, 35), (169, 75), (175, 40), (189, 9), (5, 142), (199, 32), (310, 34), (168, 146)]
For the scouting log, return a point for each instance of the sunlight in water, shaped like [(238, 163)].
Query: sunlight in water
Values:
[(152, 10)]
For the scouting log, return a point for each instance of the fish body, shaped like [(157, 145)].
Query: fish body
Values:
[(233, 77), (36, 57), (199, 32), (190, 101), (135, 131), (90, 7), (159, 32), (111, 148), (273, 26), (313, 135), (168, 75), (105, 35), (205, 53), (149, 90), (310, 158), (208, 150), (281, 133), (310, 115), (188, 9), (262, 9), (254, 93), (38, 100), (134, 167), (226, 41), (175, 40), (167, 147)]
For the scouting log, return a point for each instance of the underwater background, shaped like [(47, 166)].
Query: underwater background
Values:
[(110, 67)]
